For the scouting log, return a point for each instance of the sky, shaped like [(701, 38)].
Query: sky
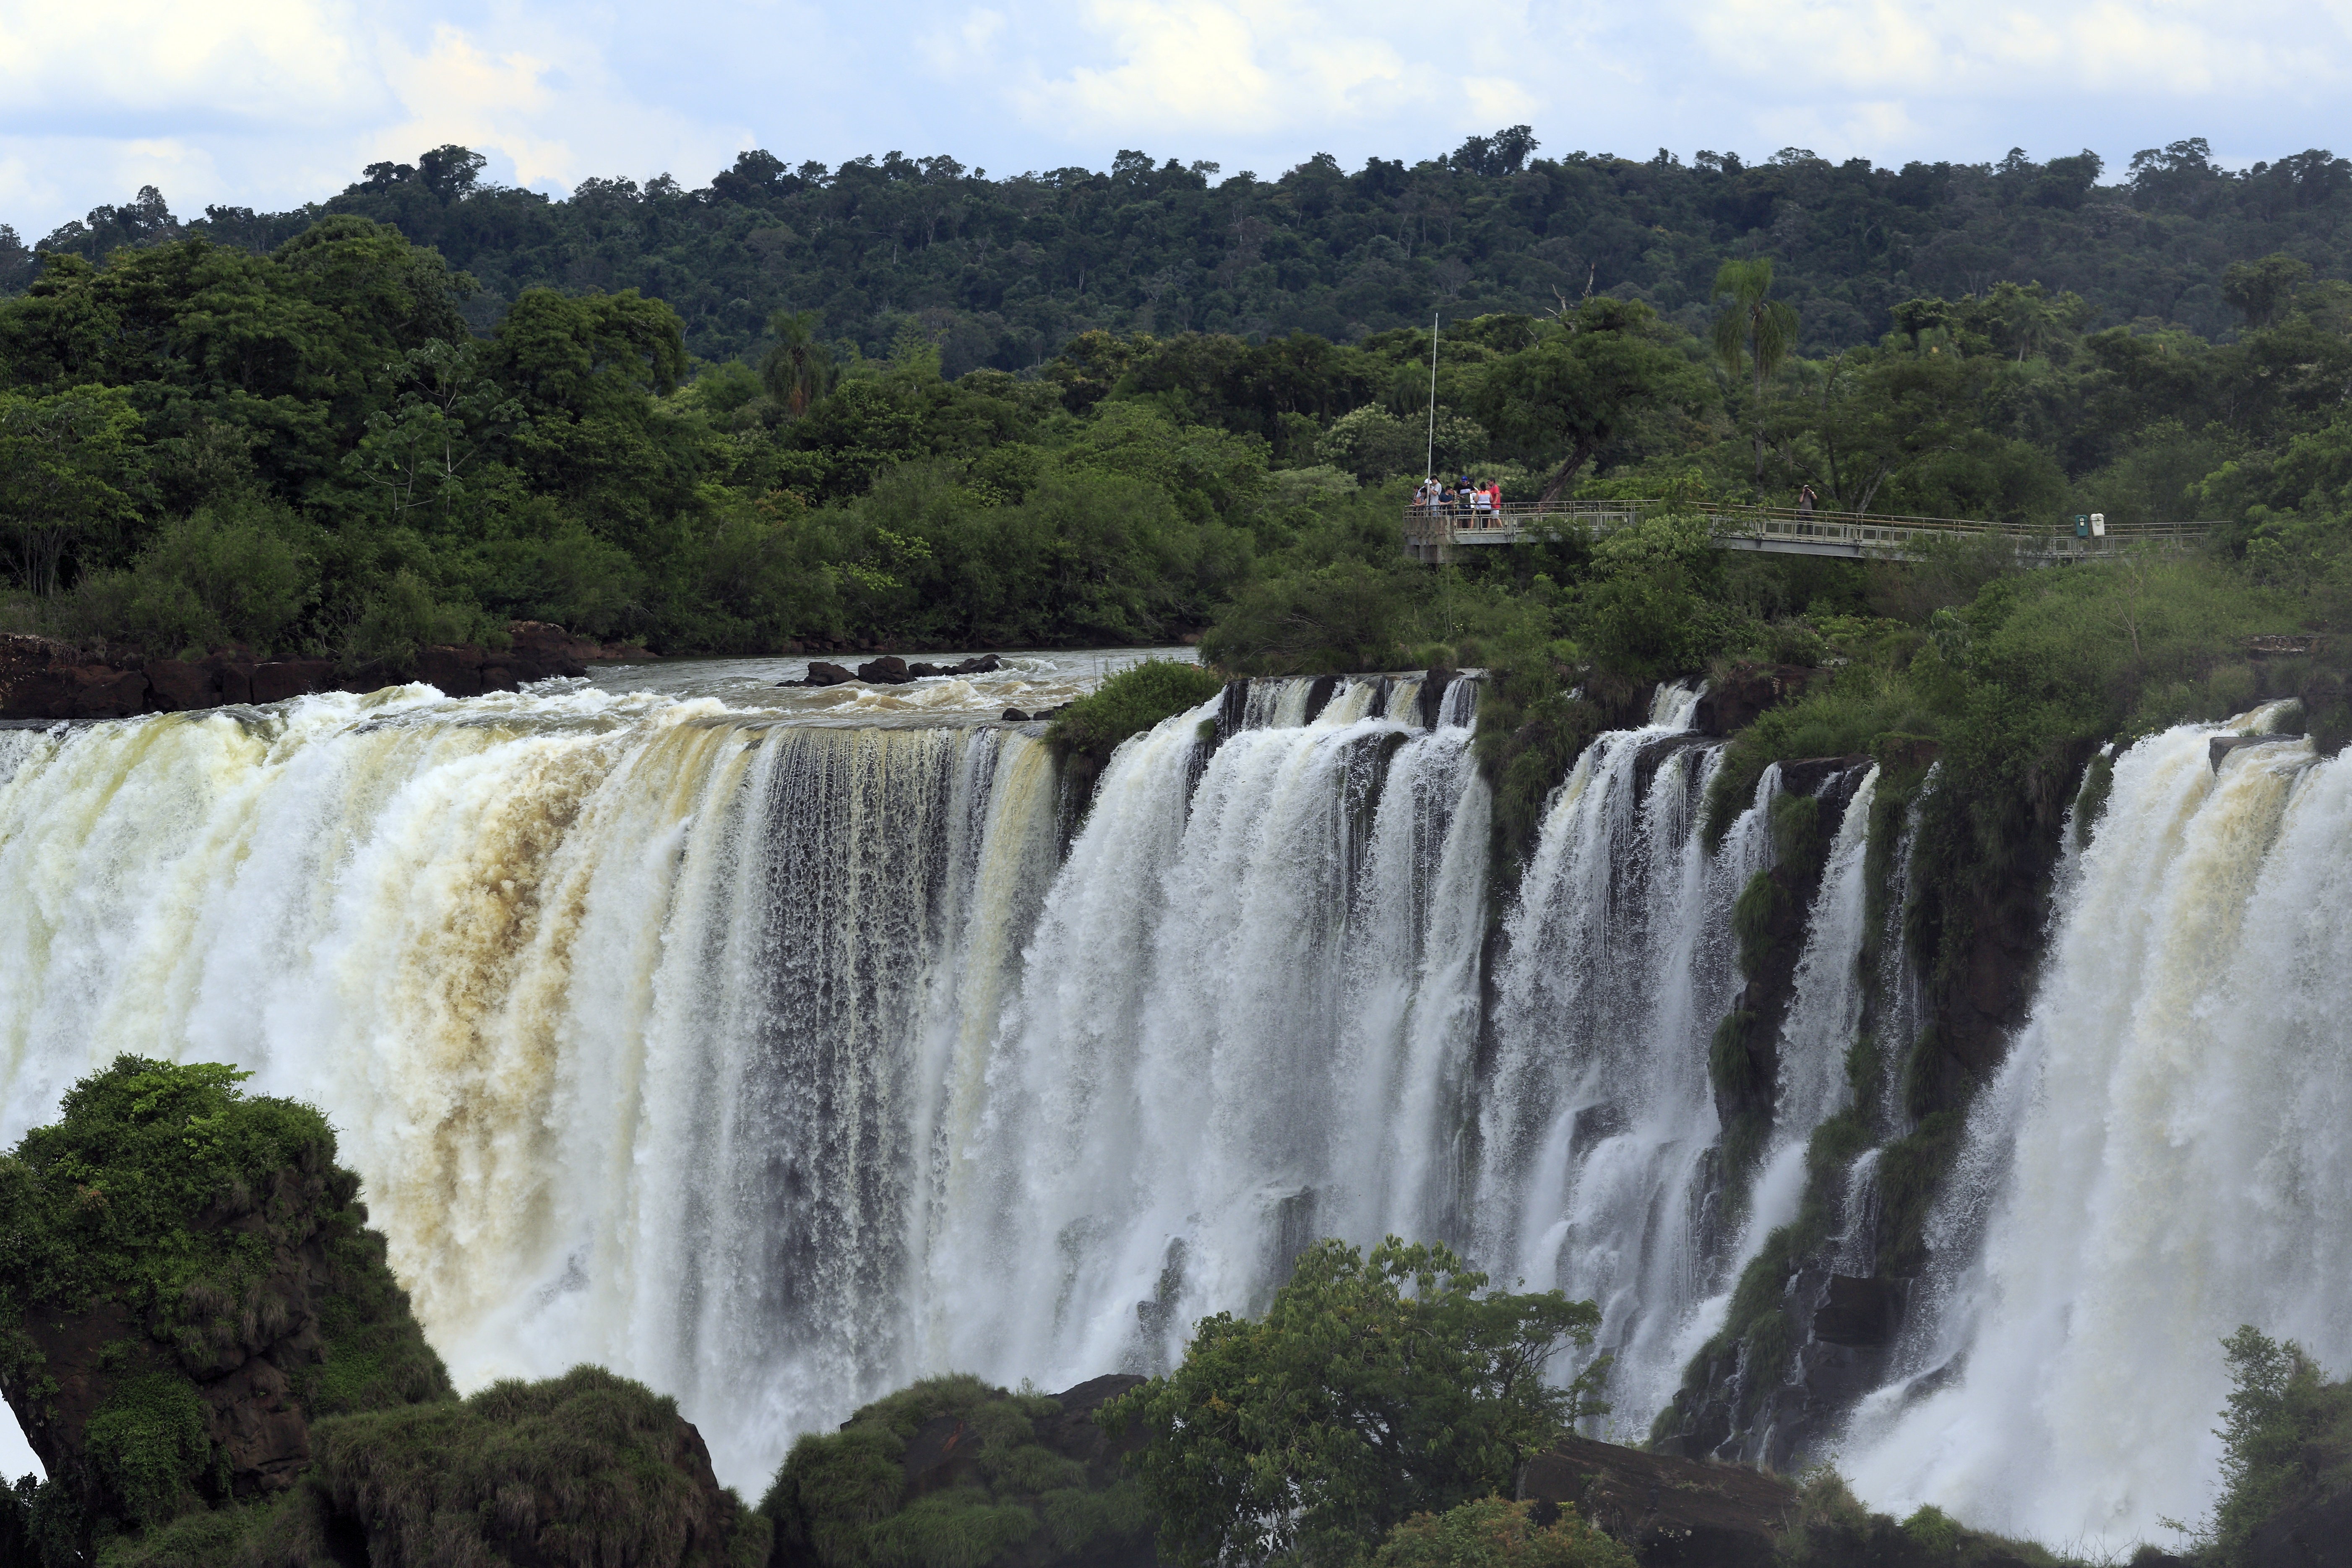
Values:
[(270, 103)]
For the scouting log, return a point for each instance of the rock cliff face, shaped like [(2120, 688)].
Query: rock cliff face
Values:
[(42, 678)]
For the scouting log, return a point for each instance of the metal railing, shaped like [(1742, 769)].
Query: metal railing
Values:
[(1431, 535)]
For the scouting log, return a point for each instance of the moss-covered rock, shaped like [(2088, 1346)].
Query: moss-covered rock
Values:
[(951, 1473), (187, 1282), (1085, 734), (587, 1468)]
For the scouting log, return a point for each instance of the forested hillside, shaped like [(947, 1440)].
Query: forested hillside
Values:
[(1000, 272), (315, 450)]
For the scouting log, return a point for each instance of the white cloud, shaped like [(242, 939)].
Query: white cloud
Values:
[(264, 61), (1949, 49), (271, 103)]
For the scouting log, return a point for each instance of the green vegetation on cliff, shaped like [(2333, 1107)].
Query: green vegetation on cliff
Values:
[(186, 1279), (1128, 703), (950, 1473), (1372, 1389), (205, 1345), (1492, 1534)]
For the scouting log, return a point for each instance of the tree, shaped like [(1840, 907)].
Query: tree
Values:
[(1372, 1390), (1583, 381), (1754, 329), (418, 451), (67, 468), (1493, 1533), (798, 370), (1873, 416), (2264, 290)]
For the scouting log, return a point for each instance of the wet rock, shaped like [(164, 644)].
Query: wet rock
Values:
[(453, 671), (921, 671), (2308, 1535), (1078, 1433), (282, 679), (1319, 695), (823, 674), (175, 685), (544, 643), (1735, 699), (888, 670), (1834, 779), (984, 664), (1858, 1311), (1016, 716), (1432, 696), (1670, 1510)]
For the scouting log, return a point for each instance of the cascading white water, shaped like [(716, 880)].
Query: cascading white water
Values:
[(1618, 965), (755, 1059), (1270, 1045), (2161, 1159), (775, 1062), (1824, 1019), (630, 1015)]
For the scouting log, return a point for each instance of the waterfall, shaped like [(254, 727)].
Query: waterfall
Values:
[(1824, 1016), (2157, 1161), (1270, 1044), (776, 1058), (632, 1017), (775, 1063), (1599, 1118)]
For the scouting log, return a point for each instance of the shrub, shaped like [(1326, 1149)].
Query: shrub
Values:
[(2285, 1429), (1372, 1389), (1493, 1533), (587, 1467), (1129, 702), (841, 1499), (1345, 616), (225, 574)]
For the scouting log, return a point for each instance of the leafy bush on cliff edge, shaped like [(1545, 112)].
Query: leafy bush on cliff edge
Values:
[(2287, 1452), (1372, 1389), (206, 1346), (951, 1473), (1493, 1533), (163, 1234), (1128, 703)]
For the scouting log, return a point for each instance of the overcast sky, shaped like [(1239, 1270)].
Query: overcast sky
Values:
[(269, 103)]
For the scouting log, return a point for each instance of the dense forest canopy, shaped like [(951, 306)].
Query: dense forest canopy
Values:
[(900, 403), (1002, 271)]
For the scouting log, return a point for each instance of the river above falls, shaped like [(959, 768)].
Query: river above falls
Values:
[(1032, 681)]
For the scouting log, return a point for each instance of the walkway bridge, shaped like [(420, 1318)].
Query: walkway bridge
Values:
[(1432, 537)]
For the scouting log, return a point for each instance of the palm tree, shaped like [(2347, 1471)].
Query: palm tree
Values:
[(1756, 331), (799, 369)]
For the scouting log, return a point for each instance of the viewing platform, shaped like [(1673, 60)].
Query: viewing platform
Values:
[(1433, 537)]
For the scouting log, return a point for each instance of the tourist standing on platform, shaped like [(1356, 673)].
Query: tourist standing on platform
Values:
[(1805, 501)]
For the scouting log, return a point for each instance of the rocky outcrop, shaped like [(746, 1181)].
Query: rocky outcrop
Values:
[(2314, 1535), (43, 678), (1674, 1512), (1736, 697), (206, 1332), (892, 670)]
